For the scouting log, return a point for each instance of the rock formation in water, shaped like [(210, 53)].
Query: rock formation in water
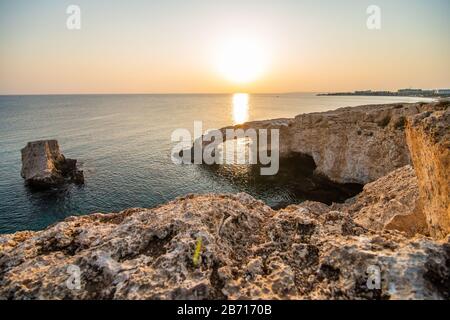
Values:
[(349, 145), (43, 165), (374, 246), (428, 136)]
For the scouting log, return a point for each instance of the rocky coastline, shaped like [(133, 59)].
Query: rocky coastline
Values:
[(399, 226)]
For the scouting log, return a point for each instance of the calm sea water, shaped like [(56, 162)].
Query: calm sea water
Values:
[(123, 145)]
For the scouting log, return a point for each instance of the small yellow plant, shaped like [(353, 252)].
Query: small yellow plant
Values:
[(198, 247)]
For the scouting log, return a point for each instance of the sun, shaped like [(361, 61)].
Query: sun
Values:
[(242, 60)]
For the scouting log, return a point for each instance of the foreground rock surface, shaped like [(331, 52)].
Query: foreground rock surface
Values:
[(43, 165), (249, 251)]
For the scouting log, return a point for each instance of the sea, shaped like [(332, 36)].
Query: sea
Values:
[(123, 144)]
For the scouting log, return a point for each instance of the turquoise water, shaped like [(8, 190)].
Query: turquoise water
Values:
[(123, 145)]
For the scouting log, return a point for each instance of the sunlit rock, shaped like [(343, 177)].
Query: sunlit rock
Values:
[(43, 165), (428, 136), (249, 251)]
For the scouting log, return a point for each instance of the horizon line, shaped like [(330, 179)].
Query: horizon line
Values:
[(205, 93), (154, 93)]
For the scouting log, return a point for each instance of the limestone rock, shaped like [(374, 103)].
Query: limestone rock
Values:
[(249, 251), (366, 143), (349, 145), (391, 202), (428, 136), (353, 145), (43, 165)]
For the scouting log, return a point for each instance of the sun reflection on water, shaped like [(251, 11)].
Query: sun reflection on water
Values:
[(240, 108)]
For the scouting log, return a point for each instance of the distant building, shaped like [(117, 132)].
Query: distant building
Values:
[(410, 91), (400, 93), (384, 92), (443, 91)]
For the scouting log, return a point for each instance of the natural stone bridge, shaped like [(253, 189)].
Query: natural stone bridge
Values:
[(348, 145), (249, 130)]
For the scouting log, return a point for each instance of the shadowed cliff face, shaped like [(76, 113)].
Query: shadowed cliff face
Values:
[(295, 182)]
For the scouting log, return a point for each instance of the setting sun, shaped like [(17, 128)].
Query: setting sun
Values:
[(242, 60)]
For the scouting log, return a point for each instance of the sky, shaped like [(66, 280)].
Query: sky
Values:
[(190, 46)]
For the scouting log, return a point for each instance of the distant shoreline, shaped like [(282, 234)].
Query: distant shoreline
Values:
[(411, 93), (316, 93)]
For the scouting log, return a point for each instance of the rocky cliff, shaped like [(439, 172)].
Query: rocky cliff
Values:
[(349, 145), (428, 136), (365, 143)]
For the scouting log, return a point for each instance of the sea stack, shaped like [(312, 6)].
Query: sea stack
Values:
[(44, 166)]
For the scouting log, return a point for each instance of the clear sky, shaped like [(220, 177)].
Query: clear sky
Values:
[(188, 46)]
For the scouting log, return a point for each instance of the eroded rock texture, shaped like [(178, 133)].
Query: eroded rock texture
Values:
[(428, 136), (43, 165), (356, 145), (349, 145), (391, 202), (308, 251)]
